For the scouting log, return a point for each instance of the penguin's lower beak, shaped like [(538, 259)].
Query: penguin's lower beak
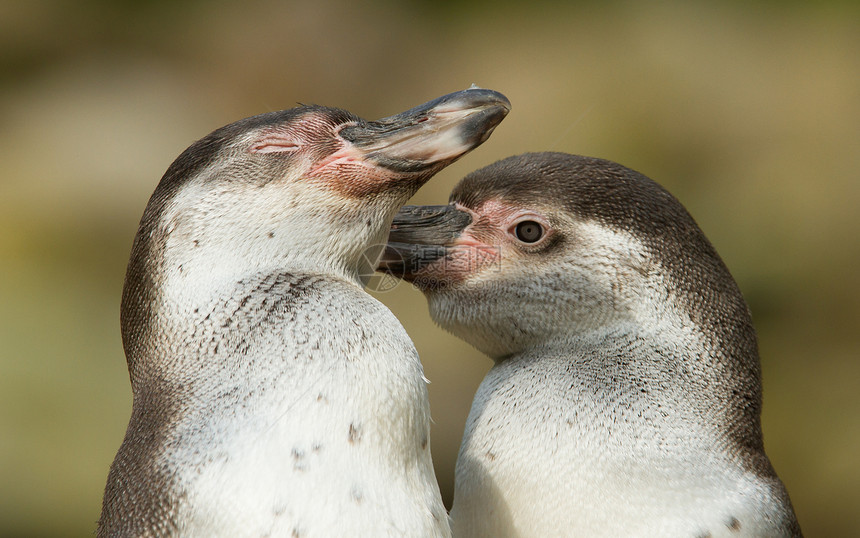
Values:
[(432, 135), (421, 236)]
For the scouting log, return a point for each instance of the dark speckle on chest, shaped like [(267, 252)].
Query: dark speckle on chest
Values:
[(299, 461), (354, 435), (732, 523)]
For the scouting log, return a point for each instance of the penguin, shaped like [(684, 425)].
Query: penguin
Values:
[(271, 395), (625, 397)]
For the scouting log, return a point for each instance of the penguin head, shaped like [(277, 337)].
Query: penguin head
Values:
[(305, 189), (547, 247)]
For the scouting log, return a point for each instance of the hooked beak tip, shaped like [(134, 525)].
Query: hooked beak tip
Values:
[(433, 134)]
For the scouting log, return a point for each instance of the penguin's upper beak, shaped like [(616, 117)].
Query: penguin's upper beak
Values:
[(420, 236), (431, 135)]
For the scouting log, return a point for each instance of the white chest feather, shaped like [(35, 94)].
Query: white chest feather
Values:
[(304, 413), (569, 445)]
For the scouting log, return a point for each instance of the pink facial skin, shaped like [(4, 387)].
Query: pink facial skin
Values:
[(483, 245), (345, 171)]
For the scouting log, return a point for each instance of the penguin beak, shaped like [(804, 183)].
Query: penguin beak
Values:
[(420, 236), (430, 136)]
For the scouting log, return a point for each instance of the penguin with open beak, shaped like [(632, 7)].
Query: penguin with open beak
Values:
[(625, 399), (272, 395)]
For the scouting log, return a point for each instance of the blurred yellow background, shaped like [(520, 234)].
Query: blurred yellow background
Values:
[(748, 112)]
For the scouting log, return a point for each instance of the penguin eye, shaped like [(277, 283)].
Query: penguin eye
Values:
[(528, 231)]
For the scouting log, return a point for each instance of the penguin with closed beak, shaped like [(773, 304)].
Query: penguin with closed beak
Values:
[(272, 395), (625, 398)]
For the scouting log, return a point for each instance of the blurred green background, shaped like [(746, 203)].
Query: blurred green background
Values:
[(748, 111)]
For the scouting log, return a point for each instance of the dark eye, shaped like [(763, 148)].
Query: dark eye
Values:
[(528, 231)]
